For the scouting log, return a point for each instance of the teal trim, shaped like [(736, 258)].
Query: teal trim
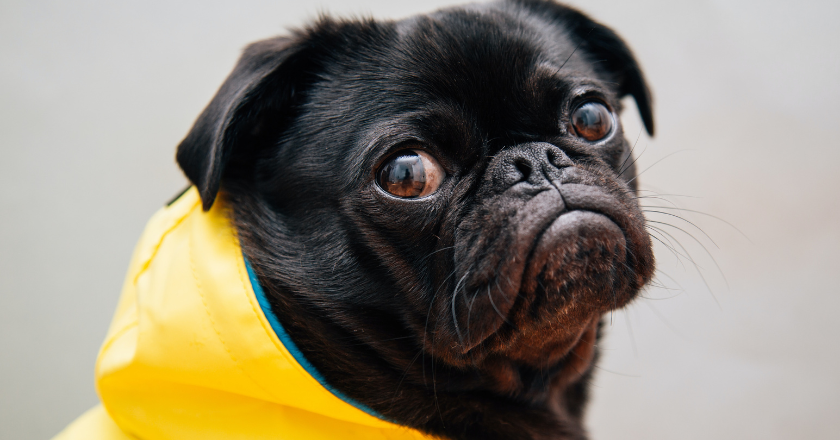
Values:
[(293, 349)]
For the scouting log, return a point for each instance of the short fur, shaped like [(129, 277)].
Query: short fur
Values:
[(472, 313)]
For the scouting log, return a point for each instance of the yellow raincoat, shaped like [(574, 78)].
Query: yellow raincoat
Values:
[(194, 351)]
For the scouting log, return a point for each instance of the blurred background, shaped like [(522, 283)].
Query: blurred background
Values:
[(737, 342)]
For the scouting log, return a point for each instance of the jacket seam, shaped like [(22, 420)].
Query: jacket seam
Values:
[(216, 330), (148, 261)]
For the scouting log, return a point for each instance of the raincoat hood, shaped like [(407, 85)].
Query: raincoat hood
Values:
[(194, 351)]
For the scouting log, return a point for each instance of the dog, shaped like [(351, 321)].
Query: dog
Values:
[(446, 203)]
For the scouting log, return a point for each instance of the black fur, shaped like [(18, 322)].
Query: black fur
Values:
[(472, 313)]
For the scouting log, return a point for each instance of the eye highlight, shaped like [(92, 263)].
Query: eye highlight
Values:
[(592, 121), (410, 174)]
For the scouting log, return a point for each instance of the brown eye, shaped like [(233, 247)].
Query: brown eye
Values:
[(592, 121), (410, 174)]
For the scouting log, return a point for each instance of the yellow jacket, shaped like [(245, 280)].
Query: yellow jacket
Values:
[(194, 351)]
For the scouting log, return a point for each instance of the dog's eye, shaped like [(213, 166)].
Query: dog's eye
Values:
[(410, 174), (592, 121)]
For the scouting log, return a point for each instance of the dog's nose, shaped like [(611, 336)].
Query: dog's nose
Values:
[(534, 164)]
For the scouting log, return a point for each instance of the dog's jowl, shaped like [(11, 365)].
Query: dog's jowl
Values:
[(397, 229)]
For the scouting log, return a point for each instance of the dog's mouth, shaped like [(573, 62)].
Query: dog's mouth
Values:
[(531, 298), (570, 279)]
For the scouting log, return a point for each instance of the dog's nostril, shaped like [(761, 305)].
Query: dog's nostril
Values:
[(552, 156), (524, 167), (558, 158), (555, 158)]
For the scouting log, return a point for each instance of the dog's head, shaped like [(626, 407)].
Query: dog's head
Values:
[(456, 183)]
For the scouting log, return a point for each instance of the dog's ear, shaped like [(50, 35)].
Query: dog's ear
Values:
[(606, 49), (251, 101), (611, 54)]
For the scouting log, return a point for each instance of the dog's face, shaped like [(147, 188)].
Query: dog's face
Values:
[(456, 185)]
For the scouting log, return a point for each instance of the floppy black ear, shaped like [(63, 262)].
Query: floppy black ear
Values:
[(606, 49), (261, 84)]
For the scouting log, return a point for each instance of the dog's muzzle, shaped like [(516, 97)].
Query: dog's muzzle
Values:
[(549, 245)]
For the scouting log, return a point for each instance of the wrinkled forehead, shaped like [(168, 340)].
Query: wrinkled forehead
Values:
[(483, 48), (478, 57), (495, 69)]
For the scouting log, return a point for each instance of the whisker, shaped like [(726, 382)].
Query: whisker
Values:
[(492, 303), (679, 292), (405, 373), (615, 372), (621, 168), (668, 194), (434, 252), (426, 327), (576, 49), (630, 332), (704, 249), (679, 287), (665, 321), (685, 254), (660, 160), (707, 215), (683, 219), (668, 245), (454, 297), (621, 171), (697, 267), (660, 285), (425, 332), (671, 278), (654, 197)]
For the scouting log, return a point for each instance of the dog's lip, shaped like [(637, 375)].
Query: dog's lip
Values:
[(591, 203), (560, 200), (563, 233), (582, 197), (623, 212)]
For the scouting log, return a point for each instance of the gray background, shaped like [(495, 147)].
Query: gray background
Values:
[(94, 96)]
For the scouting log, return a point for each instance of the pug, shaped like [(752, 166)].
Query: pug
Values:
[(440, 209)]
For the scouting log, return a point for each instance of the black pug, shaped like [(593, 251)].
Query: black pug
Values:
[(446, 203)]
